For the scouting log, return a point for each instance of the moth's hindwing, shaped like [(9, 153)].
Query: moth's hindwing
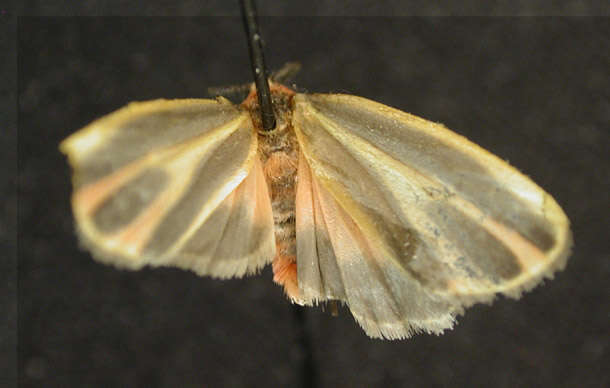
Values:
[(170, 182)]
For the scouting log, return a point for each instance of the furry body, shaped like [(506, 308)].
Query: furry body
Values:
[(279, 153)]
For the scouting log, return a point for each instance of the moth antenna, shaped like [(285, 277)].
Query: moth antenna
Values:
[(229, 90), (259, 71), (286, 72)]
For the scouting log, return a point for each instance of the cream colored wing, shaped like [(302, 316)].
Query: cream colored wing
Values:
[(434, 221), (336, 260), (172, 183)]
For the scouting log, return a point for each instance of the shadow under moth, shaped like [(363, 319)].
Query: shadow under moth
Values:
[(399, 218)]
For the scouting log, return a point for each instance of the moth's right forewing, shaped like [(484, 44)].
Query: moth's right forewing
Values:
[(148, 176), (453, 217)]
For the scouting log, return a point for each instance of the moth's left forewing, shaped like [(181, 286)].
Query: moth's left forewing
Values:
[(172, 182), (462, 222)]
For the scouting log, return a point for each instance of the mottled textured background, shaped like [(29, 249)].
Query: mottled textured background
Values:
[(535, 91)]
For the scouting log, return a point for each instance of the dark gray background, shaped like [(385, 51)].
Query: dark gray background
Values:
[(532, 90)]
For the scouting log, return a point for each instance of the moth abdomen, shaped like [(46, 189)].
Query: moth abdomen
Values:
[(280, 173), (279, 154)]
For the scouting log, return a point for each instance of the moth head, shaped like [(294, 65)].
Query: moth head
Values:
[(281, 98)]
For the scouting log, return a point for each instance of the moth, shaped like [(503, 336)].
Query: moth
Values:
[(399, 218)]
